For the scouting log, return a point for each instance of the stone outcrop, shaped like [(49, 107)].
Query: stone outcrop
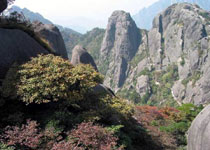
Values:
[(119, 46), (198, 134), (16, 46), (142, 86), (53, 36), (3, 5), (178, 91), (81, 56)]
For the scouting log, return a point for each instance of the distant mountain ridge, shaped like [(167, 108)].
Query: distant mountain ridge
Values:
[(32, 16), (70, 36), (91, 40), (145, 16)]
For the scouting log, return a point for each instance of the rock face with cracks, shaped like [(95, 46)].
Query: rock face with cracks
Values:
[(180, 36), (119, 46)]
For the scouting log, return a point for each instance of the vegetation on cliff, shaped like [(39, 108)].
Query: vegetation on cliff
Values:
[(44, 99)]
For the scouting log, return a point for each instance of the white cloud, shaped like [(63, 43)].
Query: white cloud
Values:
[(67, 11)]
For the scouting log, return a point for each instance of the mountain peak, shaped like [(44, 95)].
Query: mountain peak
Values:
[(120, 44), (119, 12), (145, 16), (32, 16), (120, 16)]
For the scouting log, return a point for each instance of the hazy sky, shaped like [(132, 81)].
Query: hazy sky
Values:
[(87, 13)]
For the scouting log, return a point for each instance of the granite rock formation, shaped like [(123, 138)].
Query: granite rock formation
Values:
[(120, 43), (53, 36), (81, 56), (17, 46), (198, 134), (180, 37)]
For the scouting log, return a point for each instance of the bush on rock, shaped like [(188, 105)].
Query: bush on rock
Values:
[(49, 78)]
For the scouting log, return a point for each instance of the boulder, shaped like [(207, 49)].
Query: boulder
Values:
[(101, 89), (142, 86), (52, 35), (17, 46), (81, 56), (178, 91), (198, 134)]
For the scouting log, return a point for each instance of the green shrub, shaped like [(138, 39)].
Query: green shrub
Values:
[(115, 128), (55, 125), (103, 68), (129, 94), (138, 58), (176, 127), (194, 78), (104, 108), (115, 106), (205, 15), (49, 78), (154, 123), (186, 81), (189, 111), (5, 147), (145, 72), (179, 125), (182, 62)]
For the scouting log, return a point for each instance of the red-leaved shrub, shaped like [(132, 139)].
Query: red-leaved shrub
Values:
[(65, 145), (26, 136), (89, 136)]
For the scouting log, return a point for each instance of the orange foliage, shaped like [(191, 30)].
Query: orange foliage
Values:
[(146, 114)]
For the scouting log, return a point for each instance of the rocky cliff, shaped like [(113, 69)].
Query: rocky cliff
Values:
[(182, 37), (169, 62), (119, 46)]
